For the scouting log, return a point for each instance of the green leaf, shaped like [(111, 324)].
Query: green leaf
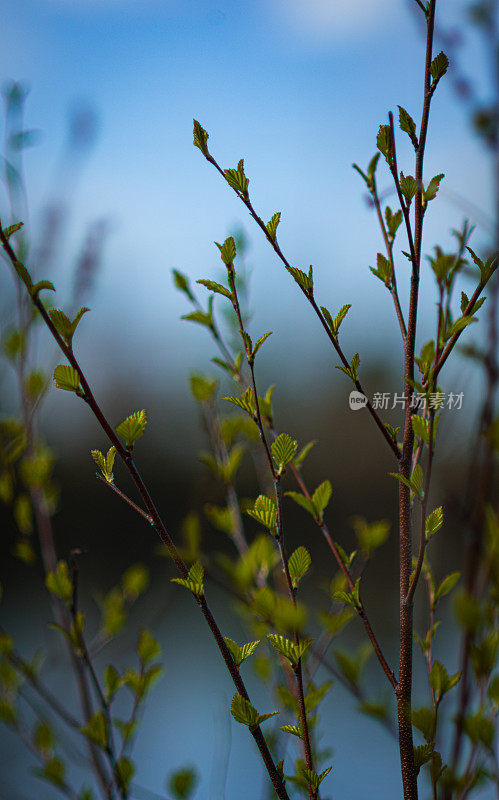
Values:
[(203, 389), (243, 712), (181, 281), (134, 581), (126, 771), (246, 401), (132, 428), (200, 317), (422, 754), (112, 681), (216, 287), (304, 281), (384, 143), (43, 737), (424, 720), (182, 783), (303, 501), (434, 522), (321, 496), (63, 325), (272, 224), (59, 582), (438, 67), (148, 647), (240, 654), (283, 450), (293, 729), (38, 287), (298, 564), (105, 463), (415, 482), (259, 343), (265, 512), (446, 586), (468, 612), (408, 187), (96, 729), (440, 681), (300, 458), (459, 325), (67, 378), (201, 138), (194, 580), (393, 221), (12, 229), (383, 270), (53, 770), (237, 179), (24, 275), (480, 728), (334, 324), (486, 269), (227, 250), (431, 190), (350, 598), (288, 649), (370, 535), (421, 427), (352, 370), (408, 125)]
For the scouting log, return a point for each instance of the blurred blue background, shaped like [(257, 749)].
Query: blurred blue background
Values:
[(298, 89)]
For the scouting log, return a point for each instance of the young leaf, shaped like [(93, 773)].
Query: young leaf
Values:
[(352, 370), (243, 712), (408, 187), (350, 598), (259, 343), (298, 564), (438, 68), (383, 270), (446, 586), (132, 428), (216, 287), (304, 281), (194, 580), (272, 224), (334, 324), (293, 729), (283, 450), (67, 378), (201, 138), (288, 649), (246, 401), (96, 729), (321, 496), (59, 582), (105, 463), (408, 125), (227, 250), (434, 522), (237, 179), (384, 143), (300, 458), (304, 502), (431, 190), (265, 512), (240, 654)]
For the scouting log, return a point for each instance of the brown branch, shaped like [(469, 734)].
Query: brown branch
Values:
[(157, 524)]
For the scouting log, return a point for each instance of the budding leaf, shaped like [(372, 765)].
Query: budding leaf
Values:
[(105, 463), (298, 564), (408, 125), (304, 281), (240, 654), (243, 712), (272, 224), (201, 138), (132, 428), (288, 649), (237, 179), (434, 522), (67, 378), (227, 250), (283, 450), (265, 512), (194, 580), (438, 67), (384, 143), (216, 287), (431, 190)]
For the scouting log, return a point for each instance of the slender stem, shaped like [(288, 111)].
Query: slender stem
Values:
[(279, 536), (125, 497), (157, 524), (244, 197), (389, 252)]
